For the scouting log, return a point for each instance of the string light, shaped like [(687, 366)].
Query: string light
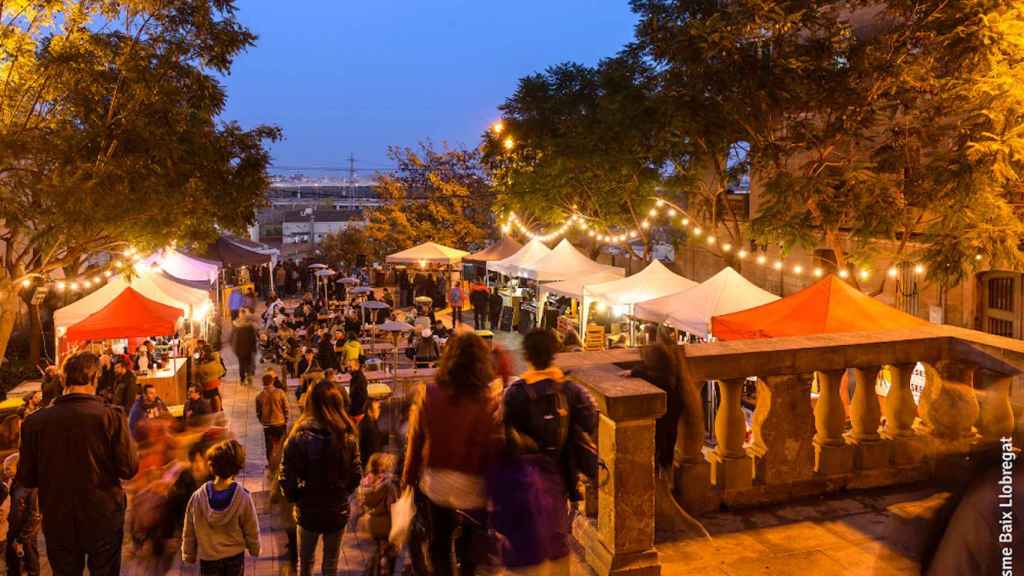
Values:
[(817, 272), (843, 273), (726, 247), (777, 265), (919, 269), (761, 259), (711, 240), (697, 231), (741, 254), (798, 269), (74, 286), (977, 257), (864, 274), (672, 213), (26, 282), (61, 286)]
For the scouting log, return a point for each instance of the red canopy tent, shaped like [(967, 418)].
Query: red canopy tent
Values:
[(829, 305), (128, 315)]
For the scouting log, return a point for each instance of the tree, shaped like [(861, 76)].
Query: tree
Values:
[(109, 135), (434, 195), (579, 138), (343, 247)]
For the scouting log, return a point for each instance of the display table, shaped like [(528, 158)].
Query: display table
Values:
[(170, 381)]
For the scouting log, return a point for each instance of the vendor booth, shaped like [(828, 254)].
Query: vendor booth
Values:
[(186, 268), (239, 255), (691, 311), (430, 253), (475, 265), (564, 262), (533, 250), (620, 296), (132, 315)]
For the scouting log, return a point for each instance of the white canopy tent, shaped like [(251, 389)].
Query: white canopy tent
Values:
[(654, 281), (184, 266), (533, 250), (573, 287), (564, 262), (427, 253), (691, 311), (150, 284)]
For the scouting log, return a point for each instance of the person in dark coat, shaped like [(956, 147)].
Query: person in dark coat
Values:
[(126, 386), (22, 551), (244, 342), (358, 394), (494, 305), (197, 409), (371, 438), (76, 453), (319, 470), (478, 300), (105, 388), (52, 385), (325, 352)]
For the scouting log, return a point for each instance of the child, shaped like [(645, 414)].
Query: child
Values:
[(377, 492), (22, 525), (220, 521)]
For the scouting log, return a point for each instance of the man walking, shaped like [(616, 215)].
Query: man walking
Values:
[(455, 300), (244, 343), (272, 412), (478, 300), (76, 453), (494, 305)]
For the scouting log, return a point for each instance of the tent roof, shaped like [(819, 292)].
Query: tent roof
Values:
[(533, 250), (565, 261), (725, 292), (128, 315), (235, 251), (151, 285), (187, 267), (573, 287), (430, 252), (827, 306), (652, 282), (501, 249), (180, 292)]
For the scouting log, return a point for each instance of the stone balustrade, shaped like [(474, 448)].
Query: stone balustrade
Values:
[(800, 445)]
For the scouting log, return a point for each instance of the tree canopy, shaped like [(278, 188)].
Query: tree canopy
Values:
[(109, 133)]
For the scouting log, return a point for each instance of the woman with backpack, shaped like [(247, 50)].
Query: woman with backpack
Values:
[(545, 416), (319, 470), (453, 435)]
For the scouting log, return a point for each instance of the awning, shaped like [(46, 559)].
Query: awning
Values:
[(827, 306), (691, 310), (427, 253), (235, 251), (499, 250), (129, 315), (533, 250), (573, 287), (564, 262), (652, 282)]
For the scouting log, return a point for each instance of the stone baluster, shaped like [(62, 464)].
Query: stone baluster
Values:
[(995, 420), (832, 455), (730, 465), (949, 405), (870, 451), (900, 414), (693, 474), (783, 448)]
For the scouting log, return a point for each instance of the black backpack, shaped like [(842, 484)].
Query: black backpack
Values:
[(552, 419)]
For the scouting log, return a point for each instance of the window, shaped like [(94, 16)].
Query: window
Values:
[(1000, 294), (1000, 327)]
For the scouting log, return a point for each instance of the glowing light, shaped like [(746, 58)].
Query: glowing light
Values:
[(509, 143), (711, 239), (26, 282), (61, 286), (583, 225), (95, 279), (843, 273), (660, 202), (726, 247), (601, 306), (653, 212), (864, 274), (506, 228), (118, 264), (633, 234), (798, 269), (892, 272), (498, 127), (620, 309), (977, 256), (645, 224), (74, 285), (761, 259), (592, 233), (919, 269), (777, 265), (423, 263), (108, 273), (741, 254), (818, 272), (696, 231), (87, 284), (686, 221), (672, 212)]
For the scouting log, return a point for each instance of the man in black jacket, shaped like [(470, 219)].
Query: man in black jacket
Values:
[(494, 305), (245, 341), (76, 453), (126, 387), (52, 387)]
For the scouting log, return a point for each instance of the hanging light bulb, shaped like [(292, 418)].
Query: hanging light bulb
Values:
[(645, 224), (817, 272), (741, 254), (660, 202), (864, 274), (26, 282), (686, 221), (798, 269), (672, 212), (61, 286), (95, 279), (711, 239), (74, 286), (843, 273), (696, 231), (977, 257), (893, 272), (633, 234), (726, 247), (108, 273), (653, 212), (591, 233), (87, 284), (777, 265), (761, 259), (919, 269)]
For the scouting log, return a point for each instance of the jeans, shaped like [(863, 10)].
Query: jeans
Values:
[(443, 523), (29, 561), (273, 438), (456, 315), (479, 319), (246, 368), (103, 555), (232, 566), (307, 548)]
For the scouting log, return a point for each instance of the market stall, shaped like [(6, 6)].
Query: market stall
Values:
[(620, 296), (429, 255), (533, 250), (691, 310), (475, 265), (184, 267), (132, 315), (516, 294), (561, 263)]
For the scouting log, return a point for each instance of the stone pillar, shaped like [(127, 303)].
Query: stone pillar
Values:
[(995, 420), (900, 413), (832, 455), (730, 466), (692, 480), (622, 542), (783, 449), (870, 451)]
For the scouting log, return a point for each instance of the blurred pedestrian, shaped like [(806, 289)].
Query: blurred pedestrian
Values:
[(244, 342), (147, 406), (52, 385), (494, 305), (272, 413), (452, 439), (76, 453), (197, 409), (319, 470), (220, 521), (22, 550), (377, 492)]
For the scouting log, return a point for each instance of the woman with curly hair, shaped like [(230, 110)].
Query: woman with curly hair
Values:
[(453, 435)]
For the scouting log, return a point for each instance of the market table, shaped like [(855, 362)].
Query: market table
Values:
[(382, 376), (170, 381)]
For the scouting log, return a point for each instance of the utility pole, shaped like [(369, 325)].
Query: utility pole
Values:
[(351, 180)]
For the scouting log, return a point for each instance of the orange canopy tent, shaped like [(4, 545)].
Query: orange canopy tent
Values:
[(827, 306), (128, 315)]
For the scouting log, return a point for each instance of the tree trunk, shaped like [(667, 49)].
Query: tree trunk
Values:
[(35, 334), (9, 302)]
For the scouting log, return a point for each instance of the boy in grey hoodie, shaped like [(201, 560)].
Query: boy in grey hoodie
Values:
[(220, 521)]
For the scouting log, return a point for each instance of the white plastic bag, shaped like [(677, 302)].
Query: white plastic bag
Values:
[(402, 513)]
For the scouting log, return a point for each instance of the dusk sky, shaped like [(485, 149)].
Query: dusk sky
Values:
[(346, 77)]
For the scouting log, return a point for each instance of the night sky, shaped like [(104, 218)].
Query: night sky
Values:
[(345, 77)]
